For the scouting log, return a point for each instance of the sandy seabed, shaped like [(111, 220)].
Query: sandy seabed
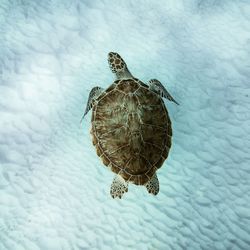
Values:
[(54, 190)]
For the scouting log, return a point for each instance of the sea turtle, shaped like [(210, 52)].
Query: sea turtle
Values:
[(131, 128)]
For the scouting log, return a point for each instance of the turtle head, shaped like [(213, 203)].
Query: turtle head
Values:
[(118, 66), (116, 63)]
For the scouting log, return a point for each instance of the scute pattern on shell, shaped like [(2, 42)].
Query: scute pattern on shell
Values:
[(131, 130)]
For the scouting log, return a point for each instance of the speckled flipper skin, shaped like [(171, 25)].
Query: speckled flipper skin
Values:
[(118, 187)]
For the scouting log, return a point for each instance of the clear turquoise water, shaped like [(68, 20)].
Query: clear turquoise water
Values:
[(54, 190)]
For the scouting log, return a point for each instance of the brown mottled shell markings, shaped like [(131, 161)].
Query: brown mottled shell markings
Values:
[(131, 130)]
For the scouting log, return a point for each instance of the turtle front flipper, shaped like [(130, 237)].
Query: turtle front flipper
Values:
[(118, 187), (153, 185), (94, 93), (158, 88)]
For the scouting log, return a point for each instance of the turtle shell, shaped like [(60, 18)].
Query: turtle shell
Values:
[(131, 130)]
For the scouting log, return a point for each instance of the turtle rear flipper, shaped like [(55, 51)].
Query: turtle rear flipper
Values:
[(118, 187), (153, 185)]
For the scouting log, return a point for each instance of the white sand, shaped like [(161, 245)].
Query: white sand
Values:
[(54, 191)]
